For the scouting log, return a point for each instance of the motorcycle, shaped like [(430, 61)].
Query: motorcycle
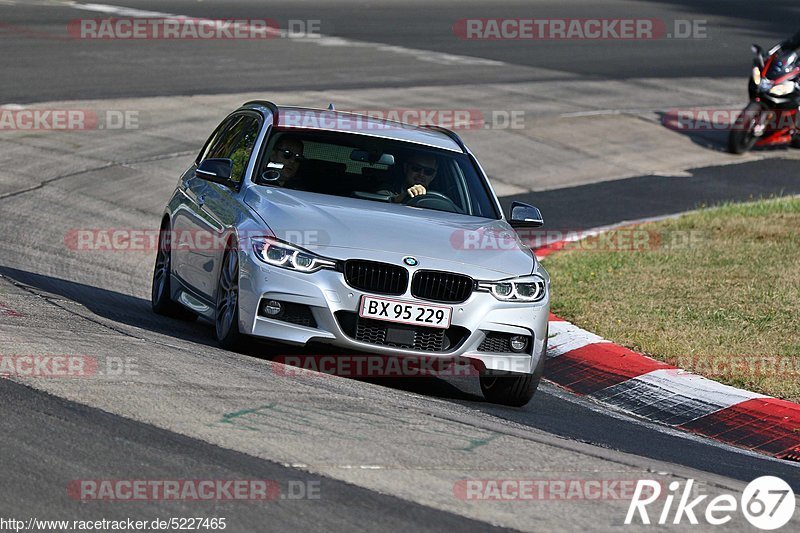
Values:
[(771, 116)]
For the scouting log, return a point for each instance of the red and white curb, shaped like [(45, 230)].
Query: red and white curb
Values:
[(588, 365)]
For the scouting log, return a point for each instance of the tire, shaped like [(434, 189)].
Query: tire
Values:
[(226, 310), (514, 390), (160, 298), (742, 136)]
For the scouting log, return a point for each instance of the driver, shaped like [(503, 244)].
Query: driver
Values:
[(418, 172)]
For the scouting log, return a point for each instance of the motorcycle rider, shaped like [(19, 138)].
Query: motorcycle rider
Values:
[(764, 113), (792, 44)]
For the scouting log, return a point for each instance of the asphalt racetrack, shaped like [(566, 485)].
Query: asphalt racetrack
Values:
[(357, 454)]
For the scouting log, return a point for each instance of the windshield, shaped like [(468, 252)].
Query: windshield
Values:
[(375, 169)]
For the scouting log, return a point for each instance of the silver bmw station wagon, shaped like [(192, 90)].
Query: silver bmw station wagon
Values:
[(306, 226)]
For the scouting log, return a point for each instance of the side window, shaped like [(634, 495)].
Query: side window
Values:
[(234, 140), (223, 145), (249, 127), (215, 138)]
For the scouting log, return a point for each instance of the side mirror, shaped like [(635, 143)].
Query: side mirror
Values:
[(217, 170), (525, 216)]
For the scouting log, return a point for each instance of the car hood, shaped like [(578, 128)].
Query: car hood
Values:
[(347, 228)]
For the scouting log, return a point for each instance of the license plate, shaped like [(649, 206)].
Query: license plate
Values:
[(402, 312)]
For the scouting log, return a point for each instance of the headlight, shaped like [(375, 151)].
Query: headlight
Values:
[(525, 289), (756, 76), (782, 89), (285, 255)]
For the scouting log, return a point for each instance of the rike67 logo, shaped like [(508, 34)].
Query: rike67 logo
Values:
[(767, 503)]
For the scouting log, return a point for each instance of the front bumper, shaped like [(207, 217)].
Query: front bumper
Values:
[(334, 307)]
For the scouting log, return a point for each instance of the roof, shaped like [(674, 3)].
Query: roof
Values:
[(306, 118)]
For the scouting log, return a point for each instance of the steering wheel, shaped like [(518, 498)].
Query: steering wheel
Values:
[(434, 200)]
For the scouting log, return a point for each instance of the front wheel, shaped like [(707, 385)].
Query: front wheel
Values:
[(746, 129), (226, 321), (512, 390)]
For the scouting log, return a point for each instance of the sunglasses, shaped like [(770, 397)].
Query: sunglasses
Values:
[(426, 171), (288, 154)]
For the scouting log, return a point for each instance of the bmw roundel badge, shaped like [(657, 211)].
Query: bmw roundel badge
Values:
[(410, 261)]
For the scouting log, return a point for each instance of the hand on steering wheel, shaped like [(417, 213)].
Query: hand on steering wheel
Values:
[(415, 190), (433, 200)]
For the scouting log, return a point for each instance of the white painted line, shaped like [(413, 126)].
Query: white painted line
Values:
[(595, 113), (606, 112), (579, 235), (565, 337), (427, 56)]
